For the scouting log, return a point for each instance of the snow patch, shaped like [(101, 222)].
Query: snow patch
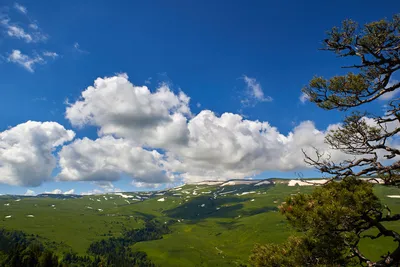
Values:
[(227, 192), (246, 193), (123, 195), (178, 187), (263, 182), (394, 196), (237, 182), (161, 199), (209, 183), (8, 216), (307, 182)]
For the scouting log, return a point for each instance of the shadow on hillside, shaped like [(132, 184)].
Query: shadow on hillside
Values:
[(228, 207), (146, 216)]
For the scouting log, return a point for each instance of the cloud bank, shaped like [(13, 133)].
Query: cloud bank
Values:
[(130, 118), (153, 138), (26, 152)]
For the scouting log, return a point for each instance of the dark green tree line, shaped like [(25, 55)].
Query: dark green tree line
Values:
[(18, 249)]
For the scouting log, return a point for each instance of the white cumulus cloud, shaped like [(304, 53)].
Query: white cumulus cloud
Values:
[(230, 147), (153, 138), (118, 107), (107, 158), (60, 192), (92, 192), (69, 192), (30, 192), (55, 192), (201, 147), (26, 157)]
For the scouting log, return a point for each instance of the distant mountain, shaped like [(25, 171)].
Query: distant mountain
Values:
[(59, 196)]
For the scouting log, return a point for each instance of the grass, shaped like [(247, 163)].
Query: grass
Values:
[(222, 232)]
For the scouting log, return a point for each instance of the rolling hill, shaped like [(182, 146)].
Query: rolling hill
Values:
[(212, 223)]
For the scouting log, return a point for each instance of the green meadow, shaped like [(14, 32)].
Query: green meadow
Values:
[(210, 225)]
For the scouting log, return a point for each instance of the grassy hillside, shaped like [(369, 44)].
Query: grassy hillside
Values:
[(211, 225)]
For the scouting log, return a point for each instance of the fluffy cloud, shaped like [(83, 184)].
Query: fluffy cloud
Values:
[(26, 157), (24, 60), (92, 192), (153, 138), (205, 146), (107, 158), (69, 192), (30, 192), (55, 192), (118, 107), (230, 147), (107, 187), (146, 185), (60, 192)]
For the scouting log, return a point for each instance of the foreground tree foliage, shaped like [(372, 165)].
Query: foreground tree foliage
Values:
[(336, 216), (332, 221), (116, 252), (297, 251), (18, 249), (368, 140)]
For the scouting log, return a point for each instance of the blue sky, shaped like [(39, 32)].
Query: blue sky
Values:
[(218, 54)]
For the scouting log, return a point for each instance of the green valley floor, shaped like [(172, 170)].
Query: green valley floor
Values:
[(211, 225)]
